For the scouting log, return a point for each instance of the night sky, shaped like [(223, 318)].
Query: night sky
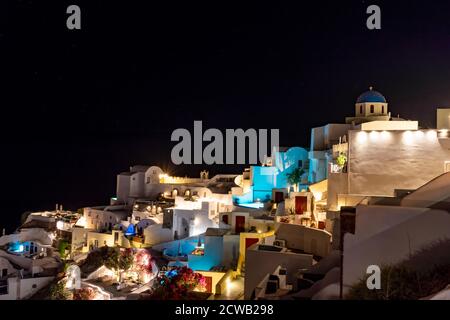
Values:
[(80, 106)]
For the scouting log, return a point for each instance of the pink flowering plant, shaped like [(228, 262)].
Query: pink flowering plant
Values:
[(177, 284)]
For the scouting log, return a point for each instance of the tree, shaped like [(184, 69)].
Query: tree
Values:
[(295, 177), (62, 246), (117, 259), (341, 160)]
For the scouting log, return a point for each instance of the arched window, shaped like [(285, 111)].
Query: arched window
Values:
[(372, 108)]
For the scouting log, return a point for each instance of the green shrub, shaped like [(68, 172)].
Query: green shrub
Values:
[(400, 282), (58, 291)]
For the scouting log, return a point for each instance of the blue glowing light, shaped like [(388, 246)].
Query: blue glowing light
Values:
[(130, 230), (255, 205), (172, 273), (16, 247)]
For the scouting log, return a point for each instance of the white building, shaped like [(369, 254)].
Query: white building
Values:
[(263, 259), (152, 182), (192, 216), (388, 231), (28, 264), (382, 158), (370, 107)]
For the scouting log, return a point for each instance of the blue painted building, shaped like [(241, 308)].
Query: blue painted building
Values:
[(263, 179)]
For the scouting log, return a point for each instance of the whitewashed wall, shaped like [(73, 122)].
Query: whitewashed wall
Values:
[(387, 235), (380, 162)]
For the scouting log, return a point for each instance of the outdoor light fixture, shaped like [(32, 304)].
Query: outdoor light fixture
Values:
[(60, 225)]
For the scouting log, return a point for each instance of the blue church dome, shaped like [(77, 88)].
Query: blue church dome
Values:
[(371, 96)]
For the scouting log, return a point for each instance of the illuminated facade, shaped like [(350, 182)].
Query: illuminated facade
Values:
[(262, 180), (151, 182)]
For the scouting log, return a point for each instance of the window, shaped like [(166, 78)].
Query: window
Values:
[(382, 109), (4, 272), (372, 108), (360, 109)]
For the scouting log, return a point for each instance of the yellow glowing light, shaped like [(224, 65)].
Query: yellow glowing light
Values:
[(385, 135), (373, 135), (443, 133), (60, 225), (431, 135), (418, 134), (408, 137), (361, 137), (318, 195)]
